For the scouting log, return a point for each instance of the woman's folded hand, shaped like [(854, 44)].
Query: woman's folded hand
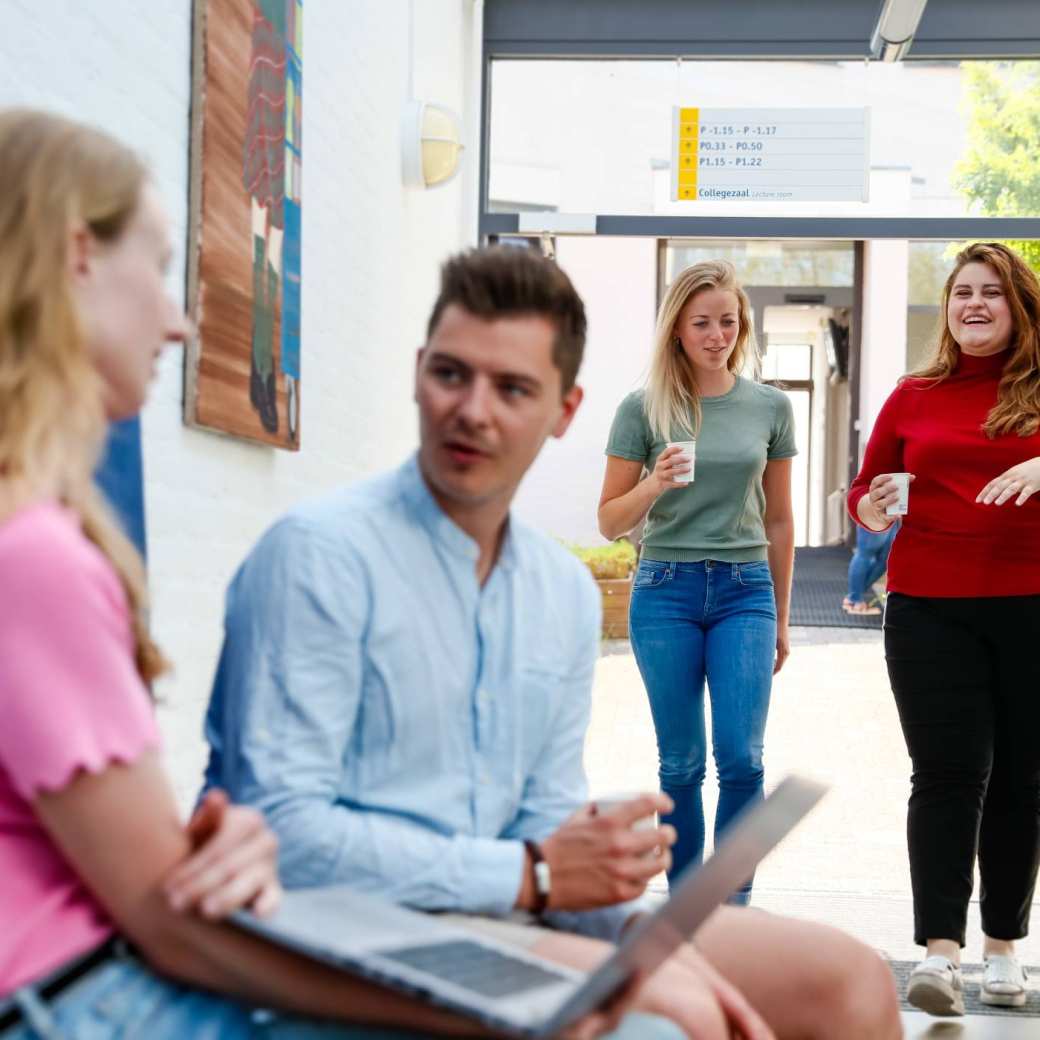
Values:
[(233, 863)]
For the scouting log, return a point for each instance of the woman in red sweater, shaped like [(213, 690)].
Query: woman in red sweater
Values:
[(962, 621)]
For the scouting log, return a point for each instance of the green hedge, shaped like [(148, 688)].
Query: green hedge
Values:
[(617, 560)]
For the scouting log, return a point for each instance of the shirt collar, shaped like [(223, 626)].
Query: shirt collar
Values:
[(440, 526)]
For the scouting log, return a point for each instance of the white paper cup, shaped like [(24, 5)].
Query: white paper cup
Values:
[(611, 802), (689, 450), (900, 507)]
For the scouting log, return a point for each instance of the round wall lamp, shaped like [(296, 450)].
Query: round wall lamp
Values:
[(431, 144)]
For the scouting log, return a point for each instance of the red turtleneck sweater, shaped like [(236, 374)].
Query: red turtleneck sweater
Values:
[(948, 545)]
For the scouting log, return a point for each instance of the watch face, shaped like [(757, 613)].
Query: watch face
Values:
[(542, 877)]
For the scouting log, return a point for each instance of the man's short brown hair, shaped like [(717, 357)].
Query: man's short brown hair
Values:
[(510, 281)]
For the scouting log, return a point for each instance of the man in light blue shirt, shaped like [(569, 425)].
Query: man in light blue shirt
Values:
[(406, 727), (405, 682)]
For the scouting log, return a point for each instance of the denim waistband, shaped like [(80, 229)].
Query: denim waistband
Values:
[(28, 1002), (703, 565)]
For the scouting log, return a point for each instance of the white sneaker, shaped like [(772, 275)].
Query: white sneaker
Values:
[(1004, 981), (935, 986)]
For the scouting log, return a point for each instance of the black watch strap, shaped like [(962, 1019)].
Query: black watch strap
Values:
[(541, 876)]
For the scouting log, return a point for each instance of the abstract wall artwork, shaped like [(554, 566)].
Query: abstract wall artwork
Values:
[(243, 367)]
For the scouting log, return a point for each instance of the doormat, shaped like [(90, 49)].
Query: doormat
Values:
[(820, 582), (972, 977)]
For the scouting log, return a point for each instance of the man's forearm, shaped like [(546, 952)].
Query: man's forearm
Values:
[(404, 861)]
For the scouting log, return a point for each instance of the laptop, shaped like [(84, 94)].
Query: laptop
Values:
[(503, 986)]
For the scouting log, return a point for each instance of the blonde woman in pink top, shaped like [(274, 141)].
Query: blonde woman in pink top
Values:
[(92, 850)]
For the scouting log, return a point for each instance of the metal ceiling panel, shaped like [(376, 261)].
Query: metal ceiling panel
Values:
[(669, 28), (756, 29), (978, 29)]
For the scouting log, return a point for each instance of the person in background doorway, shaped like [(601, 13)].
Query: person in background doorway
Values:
[(711, 596), (93, 853), (867, 566), (962, 618)]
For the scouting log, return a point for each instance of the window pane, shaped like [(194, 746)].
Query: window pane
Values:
[(790, 264), (930, 263), (922, 334), (787, 361)]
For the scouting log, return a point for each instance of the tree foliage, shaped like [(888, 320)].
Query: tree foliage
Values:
[(1000, 171)]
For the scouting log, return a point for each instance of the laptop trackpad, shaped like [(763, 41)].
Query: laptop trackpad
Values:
[(475, 967)]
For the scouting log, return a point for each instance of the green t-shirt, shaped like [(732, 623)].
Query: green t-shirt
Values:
[(721, 515)]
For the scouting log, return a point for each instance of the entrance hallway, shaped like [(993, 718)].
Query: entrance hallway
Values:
[(832, 717)]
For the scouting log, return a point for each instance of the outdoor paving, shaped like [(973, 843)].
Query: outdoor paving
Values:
[(832, 717), (918, 1026)]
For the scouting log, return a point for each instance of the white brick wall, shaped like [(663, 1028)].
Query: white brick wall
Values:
[(370, 256)]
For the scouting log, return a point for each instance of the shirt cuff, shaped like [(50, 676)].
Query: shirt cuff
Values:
[(492, 870)]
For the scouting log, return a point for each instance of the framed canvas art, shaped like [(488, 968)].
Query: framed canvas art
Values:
[(242, 372)]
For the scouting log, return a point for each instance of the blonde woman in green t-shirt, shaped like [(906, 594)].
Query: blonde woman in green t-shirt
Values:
[(711, 595)]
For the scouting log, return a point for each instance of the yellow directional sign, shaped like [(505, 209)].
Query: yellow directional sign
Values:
[(770, 154), (689, 124)]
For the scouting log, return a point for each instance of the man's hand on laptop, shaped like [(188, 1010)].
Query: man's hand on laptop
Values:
[(597, 859)]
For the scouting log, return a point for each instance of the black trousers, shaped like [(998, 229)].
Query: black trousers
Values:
[(966, 678)]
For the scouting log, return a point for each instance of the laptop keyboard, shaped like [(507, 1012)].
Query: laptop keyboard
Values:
[(475, 967)]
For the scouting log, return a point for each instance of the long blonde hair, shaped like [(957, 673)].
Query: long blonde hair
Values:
[(52, 420), (671, 401), (1018, 396)]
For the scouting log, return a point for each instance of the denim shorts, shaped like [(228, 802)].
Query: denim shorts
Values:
[(122, 999)]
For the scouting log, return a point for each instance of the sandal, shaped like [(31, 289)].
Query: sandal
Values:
[(865, 609), (1004, 982), (935, 987)]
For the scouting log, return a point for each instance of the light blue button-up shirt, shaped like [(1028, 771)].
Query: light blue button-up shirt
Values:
[(401, 727)]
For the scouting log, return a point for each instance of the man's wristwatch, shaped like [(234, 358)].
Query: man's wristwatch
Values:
[(542, 876)]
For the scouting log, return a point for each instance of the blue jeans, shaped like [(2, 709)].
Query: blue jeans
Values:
[(869, 560), (123, 999), (691, 622)]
